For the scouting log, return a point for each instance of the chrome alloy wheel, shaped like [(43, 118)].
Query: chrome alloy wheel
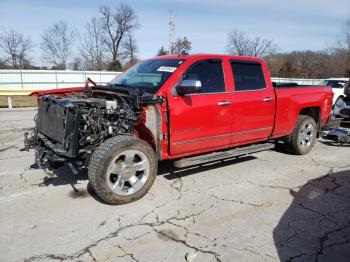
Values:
[(128, 172), (306, 135)]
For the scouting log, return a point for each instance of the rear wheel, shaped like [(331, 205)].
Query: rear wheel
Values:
[(303, 138), (122, 169)]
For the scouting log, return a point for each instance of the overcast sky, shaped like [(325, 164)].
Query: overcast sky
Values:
[(293, 25)]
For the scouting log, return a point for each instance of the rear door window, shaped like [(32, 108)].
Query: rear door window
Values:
[(247, 75)]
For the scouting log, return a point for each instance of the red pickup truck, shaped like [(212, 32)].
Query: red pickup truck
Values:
[(190, 108)]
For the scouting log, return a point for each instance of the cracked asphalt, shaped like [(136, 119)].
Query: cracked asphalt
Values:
[(270, 206)]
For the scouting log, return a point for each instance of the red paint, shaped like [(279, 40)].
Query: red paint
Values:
[(196, 124), (58, 91)]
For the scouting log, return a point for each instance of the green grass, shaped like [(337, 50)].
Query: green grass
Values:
[(18, 101)]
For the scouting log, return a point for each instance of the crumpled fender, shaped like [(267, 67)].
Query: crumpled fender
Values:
[(64, 91), (58, 92), (149, 128)]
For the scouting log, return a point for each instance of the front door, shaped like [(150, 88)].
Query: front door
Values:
[(201, 121)]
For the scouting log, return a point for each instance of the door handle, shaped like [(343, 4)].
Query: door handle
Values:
[(224, 103), (268, 99)]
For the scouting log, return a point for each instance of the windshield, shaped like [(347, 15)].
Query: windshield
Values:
[(148, 75)]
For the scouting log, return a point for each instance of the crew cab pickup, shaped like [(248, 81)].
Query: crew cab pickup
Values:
[(188, 108)]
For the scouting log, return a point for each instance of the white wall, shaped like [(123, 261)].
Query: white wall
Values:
[(50, 79)]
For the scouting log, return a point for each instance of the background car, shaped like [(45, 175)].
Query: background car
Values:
[(342, 106), (337, 85)]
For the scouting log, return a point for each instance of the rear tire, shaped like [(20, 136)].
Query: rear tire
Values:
[(303, 138), (122, 169)]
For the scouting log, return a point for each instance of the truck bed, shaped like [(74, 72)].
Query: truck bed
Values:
[(291, 99)]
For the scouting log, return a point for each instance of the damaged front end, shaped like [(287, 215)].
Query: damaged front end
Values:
[(69, 128)]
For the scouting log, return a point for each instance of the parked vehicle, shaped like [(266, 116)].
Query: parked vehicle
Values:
[(342, 109), (337, 85), (342, 106), (189, 108)]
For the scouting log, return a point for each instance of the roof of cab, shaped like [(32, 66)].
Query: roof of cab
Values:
[(208, 56)]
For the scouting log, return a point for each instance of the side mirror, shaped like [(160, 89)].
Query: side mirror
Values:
[(188, 86)]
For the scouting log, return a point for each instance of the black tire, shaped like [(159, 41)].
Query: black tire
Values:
[(340, 97), (333, 107), (295, 140), (103, 156)]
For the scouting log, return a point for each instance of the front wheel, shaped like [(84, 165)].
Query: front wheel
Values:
[(122, 169), (304, 134)]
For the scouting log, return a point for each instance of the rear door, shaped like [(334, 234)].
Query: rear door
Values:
[(253, 103), (201, 121)]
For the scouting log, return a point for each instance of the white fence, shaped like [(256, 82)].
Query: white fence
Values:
[(50, 79)]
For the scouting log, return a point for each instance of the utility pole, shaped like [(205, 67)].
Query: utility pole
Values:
[(171, 29)]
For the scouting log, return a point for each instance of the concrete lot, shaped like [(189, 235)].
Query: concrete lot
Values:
[(267, 207)]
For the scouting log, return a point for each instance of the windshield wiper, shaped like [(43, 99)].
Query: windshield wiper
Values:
[(121, 85)]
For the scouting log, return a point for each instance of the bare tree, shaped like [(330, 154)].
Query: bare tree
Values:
[(129, 49), (92, 47), (117, 24), (57, 44), (162, 51), (3, 65), (181, 46), (16, 48), (238, 43), (344, 39), (304, 64), (341, 49), (346, 44), (76, 63), (241, 44)]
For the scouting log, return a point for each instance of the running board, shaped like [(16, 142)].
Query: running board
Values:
[(211, 157)]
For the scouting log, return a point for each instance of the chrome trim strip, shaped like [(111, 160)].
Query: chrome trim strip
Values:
[(251, 131), (197, 94), (228, 92), (221, 136), (200, 139), (252, 90)]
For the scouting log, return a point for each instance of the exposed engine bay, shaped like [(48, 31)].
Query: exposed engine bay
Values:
[(73, 126)]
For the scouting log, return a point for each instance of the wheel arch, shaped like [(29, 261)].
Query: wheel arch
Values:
[(315, 113), (150, 129), (143, 133)]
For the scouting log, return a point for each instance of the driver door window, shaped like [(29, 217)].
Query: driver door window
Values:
[(210, 73)]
